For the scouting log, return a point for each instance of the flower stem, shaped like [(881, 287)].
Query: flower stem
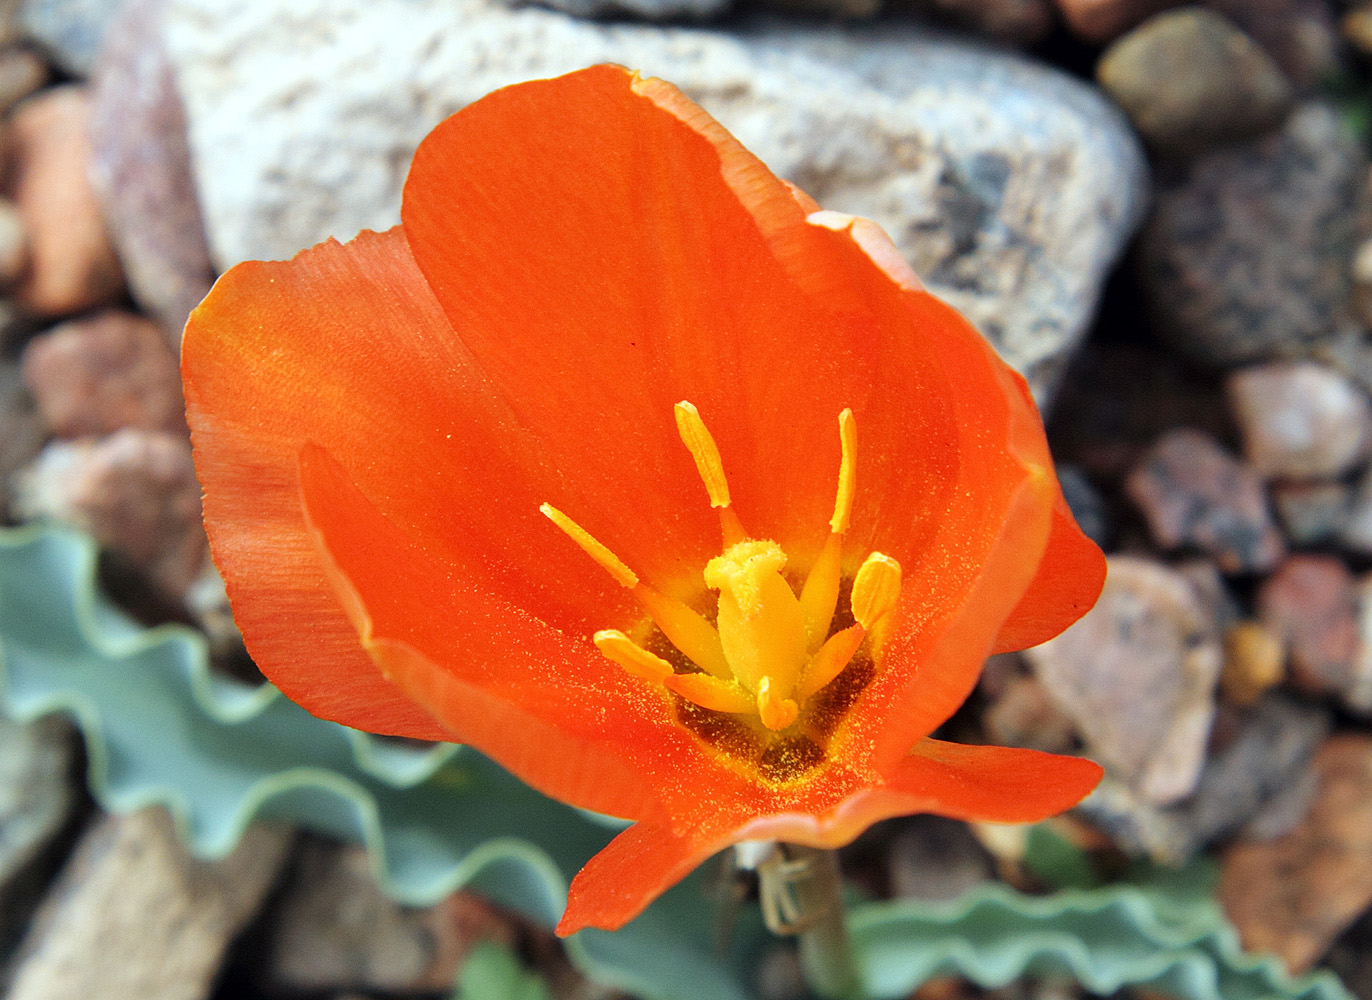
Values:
[(800, 894)]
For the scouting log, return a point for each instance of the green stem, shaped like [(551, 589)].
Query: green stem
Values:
[(801, 895)]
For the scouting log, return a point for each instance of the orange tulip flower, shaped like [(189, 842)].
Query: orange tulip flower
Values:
[(622, 462)]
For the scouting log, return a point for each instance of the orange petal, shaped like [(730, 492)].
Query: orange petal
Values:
[(996, 784), (1068, 582), (635, 868), (345, 346), (544, 704)]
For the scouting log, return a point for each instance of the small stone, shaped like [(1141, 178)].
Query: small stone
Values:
[(1300, 420), (1301, 35), (1357, 695), (22, 430), (135, 491), (141, 168), (95, 376), (1311, 513), (1254, 662), (1294, 895), (1137, 675), (1086, 504), (936, 859), (72, 263), (37, 794), (1311, 604), (1193, 492), (1190, 81), (1025, 716), (1101, 20), (1247, 254), (1361, 273), (1018, 22), (14, 244), (336, 929), (22, 73), (71, 30), (133, 917), (1357, 29)]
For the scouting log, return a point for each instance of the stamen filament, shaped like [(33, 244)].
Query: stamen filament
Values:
[(819, 595), (712, 693), (847, 472), (610, 562), (699, 442), (876, 589), (636, 660), (687, 630), (829, 662)]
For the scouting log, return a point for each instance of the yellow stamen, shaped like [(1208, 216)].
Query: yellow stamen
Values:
[(687, 630), (829, 662), (777, 713), (875, 589), (610, 562), (819, 596), (712, 693), (761, 625), (631, 656), (698, 441), (847, 472)]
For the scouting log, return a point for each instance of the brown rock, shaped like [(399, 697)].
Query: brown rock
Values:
[(135, 491), (14, 244), (72, 263), (95, 376), (1102, 20), (1025, 716), (1190, 81), (336, 929), (1300, 420), (1294, 895), (1311, 604), (133, 917), (21, 429), (1137, 675), (141, 167), (1254, 662), (1311, 512), (22, 72), (1192, 492), (1247, 254), (1301, 35), (1021, 22)]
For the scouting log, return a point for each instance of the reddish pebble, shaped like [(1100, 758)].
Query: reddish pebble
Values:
[(94, 376), (72, 263), (1193, 492), (1311, 604)]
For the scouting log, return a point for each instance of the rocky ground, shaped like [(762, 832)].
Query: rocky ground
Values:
[(1160, 213)]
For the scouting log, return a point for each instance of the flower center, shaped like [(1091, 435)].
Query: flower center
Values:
[(770, 650)]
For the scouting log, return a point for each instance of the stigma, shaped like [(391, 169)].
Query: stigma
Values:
[(772, 646)]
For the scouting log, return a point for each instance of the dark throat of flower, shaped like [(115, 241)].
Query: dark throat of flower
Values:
[(765, 678)]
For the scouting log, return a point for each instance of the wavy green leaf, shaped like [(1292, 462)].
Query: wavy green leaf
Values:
[(161, 728)]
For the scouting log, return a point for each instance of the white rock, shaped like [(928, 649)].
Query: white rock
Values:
[(1300, 420), (1010, 187)]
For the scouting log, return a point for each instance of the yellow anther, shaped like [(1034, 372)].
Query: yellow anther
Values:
[(875, 589), (829, 662), (777, 713), (619, 648), (761, 625), (687, 630), (593, 548), (712, 693), (696, 437), (847, 472)]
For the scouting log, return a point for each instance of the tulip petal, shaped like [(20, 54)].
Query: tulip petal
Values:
[(995, 784), (1068, 581), (633, 869), (345, 346), (544, 704)]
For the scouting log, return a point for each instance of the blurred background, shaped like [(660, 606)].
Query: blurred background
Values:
[(1160, 214)]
